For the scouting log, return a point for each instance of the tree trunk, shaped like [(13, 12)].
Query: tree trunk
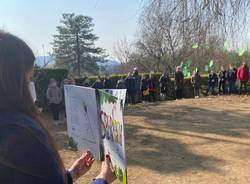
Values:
[(78, 55)]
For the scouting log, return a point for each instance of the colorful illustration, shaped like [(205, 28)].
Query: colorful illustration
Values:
[(112, 133), (119, 93), (95, 122)]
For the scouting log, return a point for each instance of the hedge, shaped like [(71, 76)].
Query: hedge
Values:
[(187, 93), (42, 77)]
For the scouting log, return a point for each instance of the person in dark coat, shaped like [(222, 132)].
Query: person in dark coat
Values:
[(86, 82), (137, 85), (152, 88), (145, 88), (98, 84), (164, 81), (222, 80), (231, 78), (131, 90), (107, 82), (27, 150), (121, 84), (212, 79), (179, 82), (196, 82)]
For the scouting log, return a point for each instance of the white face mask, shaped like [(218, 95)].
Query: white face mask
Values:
[(32, 90)]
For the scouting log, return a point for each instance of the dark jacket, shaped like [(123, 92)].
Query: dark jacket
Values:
[(196, 80), (164, 80), (98, 85), (179, 80), (121, 84), (107, 83), (212, 79), (144, 84), (26, 155), (86, 84), (130, 85), (137, 82), (152, 84), (222, 76), (231, 75)]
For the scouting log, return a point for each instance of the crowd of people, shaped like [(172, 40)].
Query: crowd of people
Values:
[(145, 88), (142, 89)]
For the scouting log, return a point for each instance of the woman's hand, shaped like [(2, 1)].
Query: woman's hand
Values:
[(107, 173), (82, 165)]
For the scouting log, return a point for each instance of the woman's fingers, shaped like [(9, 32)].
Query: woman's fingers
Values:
[(90, 161), (85, 156)]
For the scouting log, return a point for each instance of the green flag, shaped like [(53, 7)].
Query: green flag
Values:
[(181, 64), (186, 71), (206, 68), (196, 69), (195, 45), (189, 62), (211, 63), (241, 51), (226, 44)]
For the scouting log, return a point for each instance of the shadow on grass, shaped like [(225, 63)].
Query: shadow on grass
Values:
[(168, 155), (164, 155), (194, 119)]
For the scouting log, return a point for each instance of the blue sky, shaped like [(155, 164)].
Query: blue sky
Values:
[(35, 21)]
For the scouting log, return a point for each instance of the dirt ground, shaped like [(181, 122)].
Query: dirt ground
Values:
[(181, 142)]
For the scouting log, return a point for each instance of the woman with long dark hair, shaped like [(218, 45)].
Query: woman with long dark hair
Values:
[(27, 151)]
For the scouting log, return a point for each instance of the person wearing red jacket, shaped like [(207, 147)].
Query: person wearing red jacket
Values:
[(243, 76)]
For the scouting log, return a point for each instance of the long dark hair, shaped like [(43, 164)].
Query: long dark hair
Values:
[(16, 63)]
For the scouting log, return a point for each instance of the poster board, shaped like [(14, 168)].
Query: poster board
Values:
[(82, 119), (95, 122)]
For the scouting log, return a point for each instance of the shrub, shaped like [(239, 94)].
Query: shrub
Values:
[(188, 89)]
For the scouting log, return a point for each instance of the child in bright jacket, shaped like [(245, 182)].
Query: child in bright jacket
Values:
[(243, 76)]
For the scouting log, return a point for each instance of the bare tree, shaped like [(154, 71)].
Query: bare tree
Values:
[(168, 28)]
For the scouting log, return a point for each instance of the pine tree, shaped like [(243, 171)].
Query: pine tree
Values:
[(74, 45)]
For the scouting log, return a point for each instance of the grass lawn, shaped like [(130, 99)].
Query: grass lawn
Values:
[(180, 142)]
